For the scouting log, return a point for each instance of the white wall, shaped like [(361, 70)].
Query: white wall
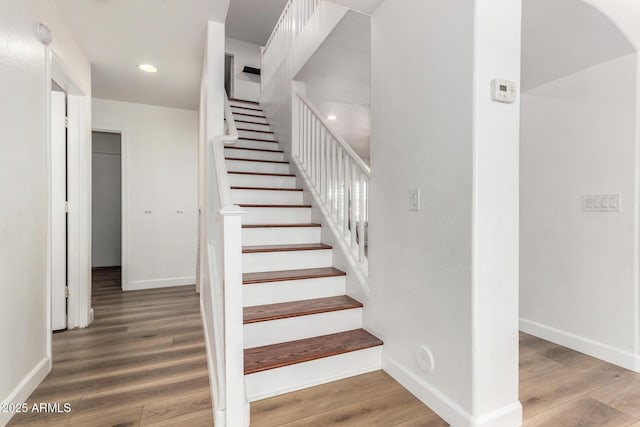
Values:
[(24, 353), (446, 277), (245, 86), (159, 147), (106, 216), (578, 280)]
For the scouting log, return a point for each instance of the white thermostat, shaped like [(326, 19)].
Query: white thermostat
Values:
[(503, 91)]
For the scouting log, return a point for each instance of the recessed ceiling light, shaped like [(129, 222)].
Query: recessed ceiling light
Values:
[(331, 117), (148, 68)]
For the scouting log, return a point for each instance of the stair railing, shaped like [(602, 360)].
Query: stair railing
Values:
[(292, 21), (338, 176), (223, 316)]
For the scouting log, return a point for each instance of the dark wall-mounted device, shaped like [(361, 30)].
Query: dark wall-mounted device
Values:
[(251, 70)]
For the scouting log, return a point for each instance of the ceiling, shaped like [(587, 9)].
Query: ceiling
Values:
[(562, 37), (253, 20), (337, 79), (117, 35)]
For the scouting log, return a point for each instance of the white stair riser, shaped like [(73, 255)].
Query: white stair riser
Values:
[(280, 236), (242, 123), (267, 197), (301, 327), (239, 180), (250, 154), (256, 144), (292, 290), (248, 110), (290, 260), (250, 118), (256, 135), (235, 103), (302, 375), (261, 167), (276, 215)]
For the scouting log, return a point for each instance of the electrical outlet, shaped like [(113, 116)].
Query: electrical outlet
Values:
[(601, 203), (414, 200)]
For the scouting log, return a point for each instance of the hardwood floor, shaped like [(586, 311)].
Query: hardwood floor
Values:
[(559, 387), (142, 363)]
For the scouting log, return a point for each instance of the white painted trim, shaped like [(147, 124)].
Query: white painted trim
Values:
[(79, 238), (636, 224), (451, 412), (219, 416), (24, 389), (593, 348), (49, 277), (124, 174), (159, 283)]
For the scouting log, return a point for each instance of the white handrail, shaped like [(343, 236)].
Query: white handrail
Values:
[(224, 188), (223, 307), (344, 144), (292, 21), (338, 177), (232, 131)]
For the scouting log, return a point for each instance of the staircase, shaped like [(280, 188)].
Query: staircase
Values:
[(300, 328)]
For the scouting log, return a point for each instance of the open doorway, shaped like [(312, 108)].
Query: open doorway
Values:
[(228, 74), (106, 207)]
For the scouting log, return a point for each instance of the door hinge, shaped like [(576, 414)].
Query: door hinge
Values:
[(66, 292), (66, 121), (66, 207)]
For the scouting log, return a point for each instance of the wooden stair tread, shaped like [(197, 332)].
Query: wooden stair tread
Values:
[(262, 150), (244, 100), (244, 138), (249, 115), (254, 130), (285, 310), (262, 173), (285, 248), (252, 123), (273, 356), (246, 108), (284, 162), (299, 225), (254, 205), (267, 189), (286, 275)]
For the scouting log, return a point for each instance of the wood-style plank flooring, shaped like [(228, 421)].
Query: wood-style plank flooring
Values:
[(142, 363), (559, 387)]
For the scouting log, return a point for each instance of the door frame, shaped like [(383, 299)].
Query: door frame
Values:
[(124, 241), (79, 311)]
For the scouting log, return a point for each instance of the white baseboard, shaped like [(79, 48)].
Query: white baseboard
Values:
[(28, 384), (138, 285), (451, 412), (584, 345)]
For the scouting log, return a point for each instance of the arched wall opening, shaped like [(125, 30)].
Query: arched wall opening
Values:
[(579, 137)]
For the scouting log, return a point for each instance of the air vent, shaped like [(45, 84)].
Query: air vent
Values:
[(251, 70)]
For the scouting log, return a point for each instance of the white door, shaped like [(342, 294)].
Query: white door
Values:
[(58, 211)]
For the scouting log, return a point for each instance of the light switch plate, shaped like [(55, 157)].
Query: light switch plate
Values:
[(601, 203), (414, 200)]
